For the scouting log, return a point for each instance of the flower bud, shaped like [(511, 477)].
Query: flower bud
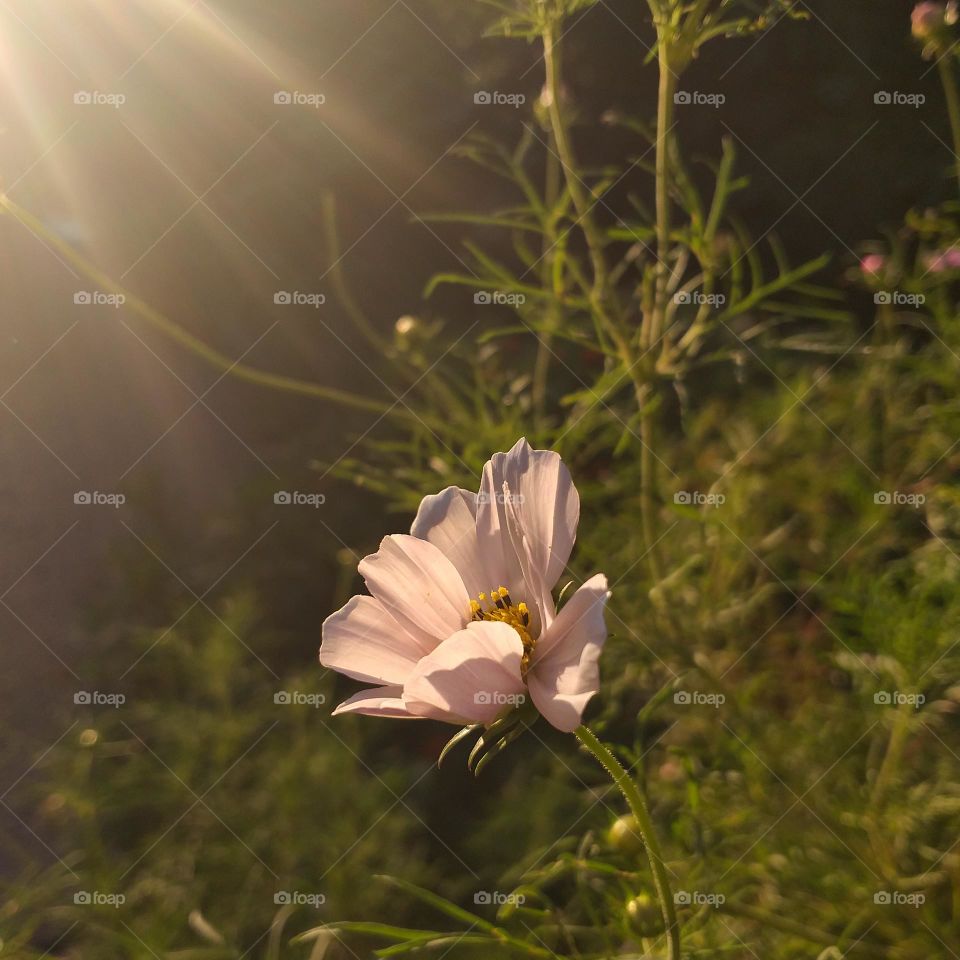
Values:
[(624, 835), (645, 915), (929, 18)]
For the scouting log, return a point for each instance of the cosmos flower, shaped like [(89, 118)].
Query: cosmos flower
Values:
[(928, 18), (461, 623)]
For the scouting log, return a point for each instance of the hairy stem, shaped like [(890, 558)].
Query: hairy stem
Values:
[(653, 321), (631, 792), (666, 89)]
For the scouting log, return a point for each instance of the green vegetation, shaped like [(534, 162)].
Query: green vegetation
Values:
[(768, 476)]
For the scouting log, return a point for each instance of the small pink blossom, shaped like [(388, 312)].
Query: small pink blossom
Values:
[(873, 265), (944, 260), (461, 622)]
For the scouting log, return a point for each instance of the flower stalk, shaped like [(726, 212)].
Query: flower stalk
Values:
[(631, 792)]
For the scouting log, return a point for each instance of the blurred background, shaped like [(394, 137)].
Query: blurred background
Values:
[(148, 135), (205, 197)]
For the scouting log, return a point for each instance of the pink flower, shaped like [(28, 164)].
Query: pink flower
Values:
[(928, 18), (461, 621), (873, 264), (944, 260)]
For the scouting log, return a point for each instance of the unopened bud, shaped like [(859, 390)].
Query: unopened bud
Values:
[(929, 18), (624, 835), (645, 915)]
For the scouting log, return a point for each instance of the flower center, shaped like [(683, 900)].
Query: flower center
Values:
[(500, 608)]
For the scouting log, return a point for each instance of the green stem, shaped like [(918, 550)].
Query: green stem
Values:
[(638, 808), (953, 107), (891, 759), (582, 201), (667, 86), (653, 322)]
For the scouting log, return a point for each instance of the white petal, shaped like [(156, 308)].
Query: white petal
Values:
[(448, 520), (419, 587), (541, 497), (377, 702), (564, 675), (363, 641), (471, 677)]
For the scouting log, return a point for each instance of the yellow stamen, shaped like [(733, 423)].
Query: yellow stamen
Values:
[(504, 610)]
